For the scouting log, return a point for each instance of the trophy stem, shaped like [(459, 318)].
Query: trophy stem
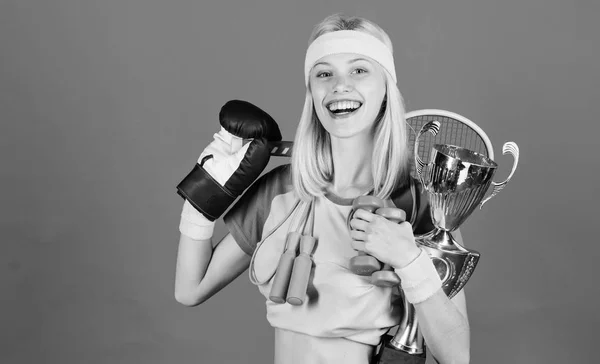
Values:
[(408, 338), (441, 239), (453, 262)]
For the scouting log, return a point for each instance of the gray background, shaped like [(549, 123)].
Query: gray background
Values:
[(105, 106)]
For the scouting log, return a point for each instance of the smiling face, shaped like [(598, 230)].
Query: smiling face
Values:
[(347, 91)]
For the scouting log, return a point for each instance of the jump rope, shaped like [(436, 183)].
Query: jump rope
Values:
[(292, 273)]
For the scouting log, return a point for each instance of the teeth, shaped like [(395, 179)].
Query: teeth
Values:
[(343, 105)]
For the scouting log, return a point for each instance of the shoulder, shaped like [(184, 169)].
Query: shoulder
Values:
[(247, 217), (275, 182), (282, 173)]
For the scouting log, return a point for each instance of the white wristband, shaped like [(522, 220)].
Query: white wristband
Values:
[(420, 279), (194, 224)]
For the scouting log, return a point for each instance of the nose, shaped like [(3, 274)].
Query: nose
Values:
[(343, 84)]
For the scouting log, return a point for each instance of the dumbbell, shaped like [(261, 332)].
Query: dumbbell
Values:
[(363, 264), (386, 277)]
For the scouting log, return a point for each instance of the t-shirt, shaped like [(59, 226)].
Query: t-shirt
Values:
[(338, 303)]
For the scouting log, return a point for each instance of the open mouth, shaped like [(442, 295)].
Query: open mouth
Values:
[(344, 107)]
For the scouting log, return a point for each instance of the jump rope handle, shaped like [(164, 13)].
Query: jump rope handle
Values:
[(301, 272), (293, 270), (281, 281)]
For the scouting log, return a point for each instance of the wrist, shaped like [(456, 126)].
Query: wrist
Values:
[(420, 279), (407, 257), (194, 224)]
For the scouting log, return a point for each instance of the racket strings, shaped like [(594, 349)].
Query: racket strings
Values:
[(451, 132)]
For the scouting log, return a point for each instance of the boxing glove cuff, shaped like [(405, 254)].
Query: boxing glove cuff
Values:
[(205, 193), (420, 279)]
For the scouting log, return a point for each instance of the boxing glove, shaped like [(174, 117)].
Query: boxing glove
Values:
[(227, 166)]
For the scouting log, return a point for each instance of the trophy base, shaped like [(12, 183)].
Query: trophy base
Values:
[(441, 239), (390, 355), (454, 263)]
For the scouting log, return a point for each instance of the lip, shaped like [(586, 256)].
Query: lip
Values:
[(342, 116)]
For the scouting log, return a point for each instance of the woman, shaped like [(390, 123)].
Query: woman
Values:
[(350, 141)]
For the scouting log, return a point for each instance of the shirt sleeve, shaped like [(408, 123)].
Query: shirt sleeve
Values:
[(246, 219)]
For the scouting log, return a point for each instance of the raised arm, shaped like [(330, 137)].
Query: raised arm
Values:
[(203, 271), (225, 169)]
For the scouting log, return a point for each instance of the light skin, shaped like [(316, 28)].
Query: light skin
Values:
[(444, 323), (202, 270), (349, 77), (355, 77)]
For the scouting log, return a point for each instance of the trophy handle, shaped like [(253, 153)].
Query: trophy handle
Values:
[(432, 127), (507, 148)]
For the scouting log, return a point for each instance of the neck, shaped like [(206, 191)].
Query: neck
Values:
[(352, 165)]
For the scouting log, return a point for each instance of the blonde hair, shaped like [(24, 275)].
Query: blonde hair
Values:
[(312, 165)]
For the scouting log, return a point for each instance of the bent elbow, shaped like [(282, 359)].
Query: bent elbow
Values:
[(463, 358), (187, 299)]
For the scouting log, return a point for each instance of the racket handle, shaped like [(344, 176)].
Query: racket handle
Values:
[(281, 281), (280, 149)]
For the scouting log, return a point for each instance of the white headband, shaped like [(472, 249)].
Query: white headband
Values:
[(349, 41)]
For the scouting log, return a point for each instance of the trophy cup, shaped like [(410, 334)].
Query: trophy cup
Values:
[(456, 180)]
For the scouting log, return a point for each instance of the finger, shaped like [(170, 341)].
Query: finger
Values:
[(364, 215), (370, 248), (406, 225), (358, 235), (357, 224), (357, 245)]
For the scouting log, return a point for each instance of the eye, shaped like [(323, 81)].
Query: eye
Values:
[(360, 70), (322, 74)]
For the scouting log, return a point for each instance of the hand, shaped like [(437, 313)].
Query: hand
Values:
[(239, 152), (230, 164), (226, 153), (388, 241)]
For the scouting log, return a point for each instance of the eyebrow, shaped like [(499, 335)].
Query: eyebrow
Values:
[(350, 61)]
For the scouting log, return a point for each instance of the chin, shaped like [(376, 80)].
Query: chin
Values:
[(344, 133), (345, 129)]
